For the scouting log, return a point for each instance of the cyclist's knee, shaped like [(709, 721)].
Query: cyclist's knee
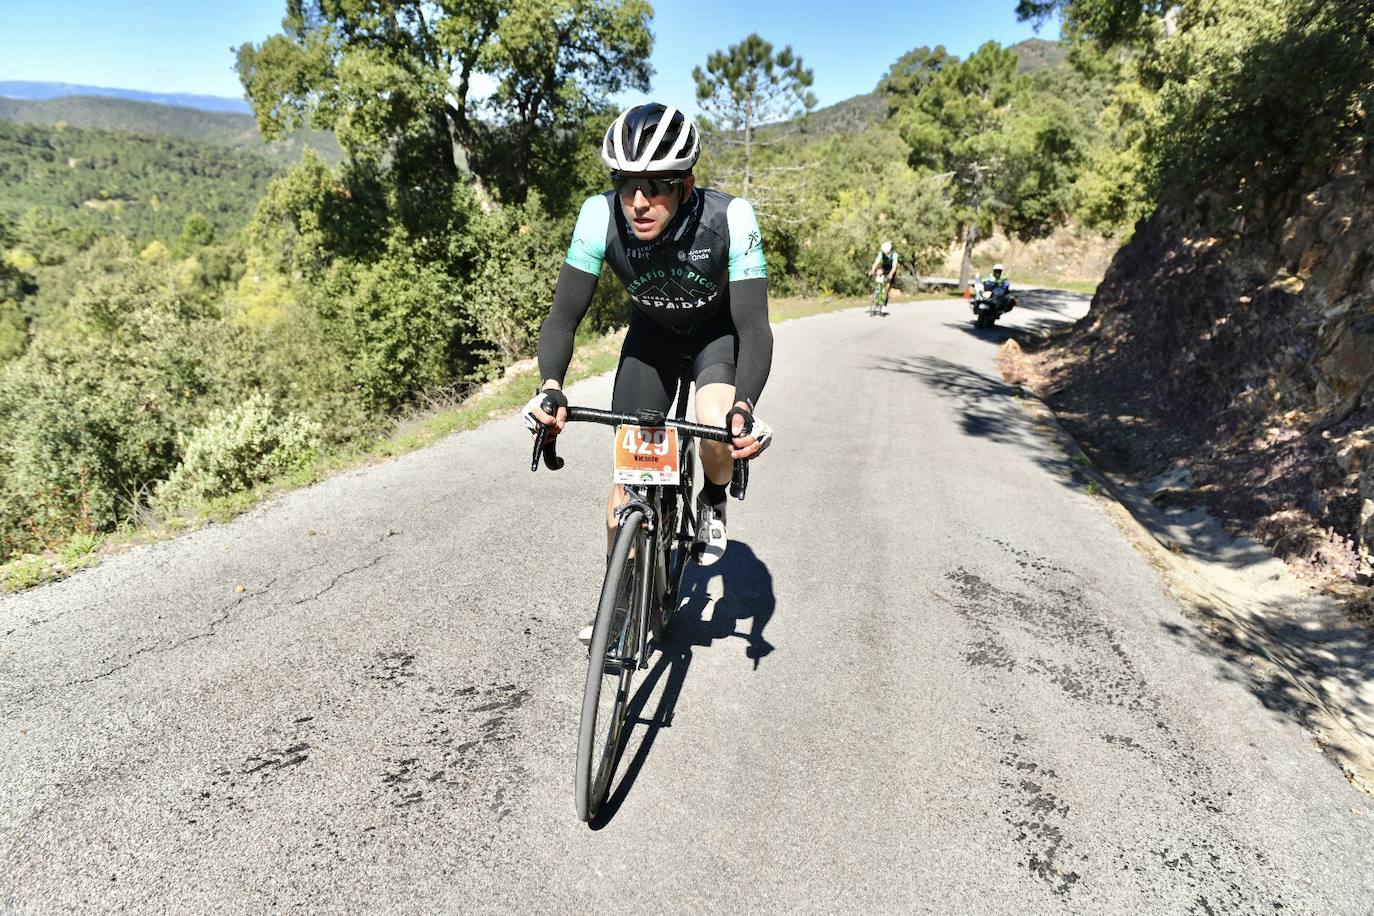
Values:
[(713, 402)]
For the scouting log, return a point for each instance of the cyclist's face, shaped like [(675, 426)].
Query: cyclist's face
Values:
[(648, 213)]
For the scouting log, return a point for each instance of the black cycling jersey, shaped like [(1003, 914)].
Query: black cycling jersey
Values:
[(707, 263)]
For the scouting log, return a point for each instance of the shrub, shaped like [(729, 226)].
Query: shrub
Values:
[(238, 448), (90, 412)]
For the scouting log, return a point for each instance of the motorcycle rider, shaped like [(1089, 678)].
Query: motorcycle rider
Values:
[(999, 288)]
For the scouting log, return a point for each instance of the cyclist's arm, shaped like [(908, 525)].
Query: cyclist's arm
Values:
[(892, 274), (749, 309), (748, 279), (573, 294)]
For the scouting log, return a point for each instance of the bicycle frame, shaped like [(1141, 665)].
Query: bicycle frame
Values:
[(657, 582)]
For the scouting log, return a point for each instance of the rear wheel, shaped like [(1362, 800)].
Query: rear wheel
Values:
[(611, 666)]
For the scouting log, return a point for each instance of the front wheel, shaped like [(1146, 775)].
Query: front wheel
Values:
[(678, 549), (612, 660)]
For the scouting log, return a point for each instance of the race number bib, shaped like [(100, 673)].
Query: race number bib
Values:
[(646, 455)]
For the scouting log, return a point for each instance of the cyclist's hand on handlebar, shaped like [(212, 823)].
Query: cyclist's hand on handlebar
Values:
[(752, 435), (549, 408)]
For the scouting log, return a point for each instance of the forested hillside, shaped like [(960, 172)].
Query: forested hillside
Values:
[(218, 128), (107, 183)]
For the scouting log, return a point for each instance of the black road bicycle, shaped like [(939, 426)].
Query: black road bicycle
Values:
[(652, 549)]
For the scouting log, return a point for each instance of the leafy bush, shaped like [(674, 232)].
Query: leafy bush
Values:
[(823, 226), (1250, 94), (237, 448), (393, 320), (511, 288), (90, 413)]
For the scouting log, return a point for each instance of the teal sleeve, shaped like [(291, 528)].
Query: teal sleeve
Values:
[(746, 241), (588, 249)]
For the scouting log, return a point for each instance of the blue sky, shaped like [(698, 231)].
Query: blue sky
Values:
[(162, 46)]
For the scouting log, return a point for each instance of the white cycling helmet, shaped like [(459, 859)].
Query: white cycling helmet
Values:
[(997, 268), (887, 248), (651, 139)]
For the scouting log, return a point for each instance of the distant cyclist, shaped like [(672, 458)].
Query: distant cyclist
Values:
[(885, 266), (692, 261)]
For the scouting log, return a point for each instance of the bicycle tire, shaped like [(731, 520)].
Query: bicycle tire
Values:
[(603, 716), (679, 552)]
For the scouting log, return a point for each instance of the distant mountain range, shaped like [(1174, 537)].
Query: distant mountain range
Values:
[(23, 89), (217, 128)]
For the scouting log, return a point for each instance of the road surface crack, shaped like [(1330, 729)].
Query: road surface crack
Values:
[(339, 578)]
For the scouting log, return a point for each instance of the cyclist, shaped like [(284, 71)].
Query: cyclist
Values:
[(885, 265), (692, 261)]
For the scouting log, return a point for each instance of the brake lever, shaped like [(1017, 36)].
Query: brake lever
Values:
[(539, 435), (547, 447), (739, 478)]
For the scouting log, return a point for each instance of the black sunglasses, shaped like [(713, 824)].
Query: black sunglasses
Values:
[(627, 186)]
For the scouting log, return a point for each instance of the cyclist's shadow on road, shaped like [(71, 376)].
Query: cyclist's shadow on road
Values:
[(737, 619)]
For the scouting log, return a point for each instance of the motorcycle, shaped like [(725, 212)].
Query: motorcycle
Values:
[(989, 301)]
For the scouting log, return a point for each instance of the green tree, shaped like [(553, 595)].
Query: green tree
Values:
[(1249, 95), (914, 70), (89, 415), (197, 232), (1011, 145), (954, 126), (1107, 22), (16, 285), (748, 85), (394, 320), (393, 79)]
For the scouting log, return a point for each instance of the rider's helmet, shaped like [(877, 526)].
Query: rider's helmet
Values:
[(997, 271), (651, 138), (887, 248)]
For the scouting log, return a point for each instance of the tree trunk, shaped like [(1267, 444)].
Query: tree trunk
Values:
[(966, 267), (462, 160)]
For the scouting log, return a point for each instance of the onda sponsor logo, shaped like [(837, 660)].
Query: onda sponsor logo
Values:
[(700, 254)]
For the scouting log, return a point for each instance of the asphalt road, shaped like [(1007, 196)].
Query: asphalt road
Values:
[(929, 676)]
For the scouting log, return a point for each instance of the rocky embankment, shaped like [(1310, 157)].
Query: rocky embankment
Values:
[(1236, 347)]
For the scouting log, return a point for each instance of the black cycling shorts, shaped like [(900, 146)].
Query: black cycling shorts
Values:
[(652, 358)]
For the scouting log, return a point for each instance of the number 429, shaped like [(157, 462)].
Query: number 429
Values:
[(646, 442)]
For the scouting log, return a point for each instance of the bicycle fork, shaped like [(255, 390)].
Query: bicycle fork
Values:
[(636, 654)]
